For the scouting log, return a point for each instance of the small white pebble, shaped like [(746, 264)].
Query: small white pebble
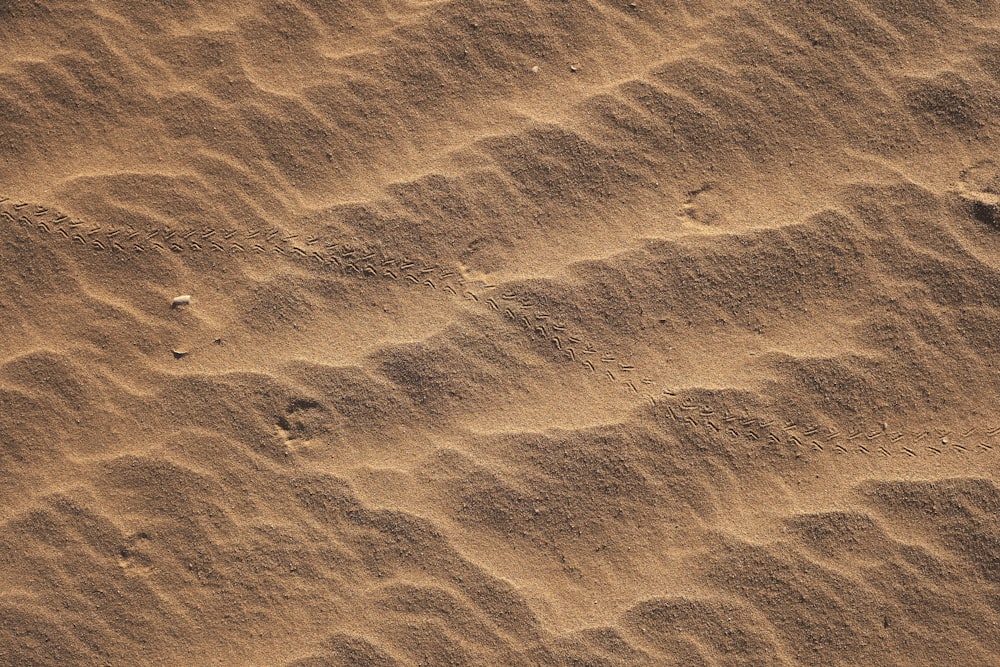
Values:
[(182, 300), (536, 69)]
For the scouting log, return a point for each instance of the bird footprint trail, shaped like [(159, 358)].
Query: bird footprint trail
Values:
[(904, 441)]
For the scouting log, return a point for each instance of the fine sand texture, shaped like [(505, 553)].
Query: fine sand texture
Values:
[(500, 332)]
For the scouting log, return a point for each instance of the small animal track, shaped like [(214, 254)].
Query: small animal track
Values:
[(523, 311)]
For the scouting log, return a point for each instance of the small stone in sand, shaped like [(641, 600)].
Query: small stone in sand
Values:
[(182, 300), (178, 354)]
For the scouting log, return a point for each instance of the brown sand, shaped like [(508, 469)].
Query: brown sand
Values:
[(521, 333)]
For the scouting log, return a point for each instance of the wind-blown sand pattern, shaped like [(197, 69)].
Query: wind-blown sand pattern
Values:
[(520, 333)]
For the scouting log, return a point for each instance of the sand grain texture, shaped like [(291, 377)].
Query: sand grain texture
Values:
[(516, 333)]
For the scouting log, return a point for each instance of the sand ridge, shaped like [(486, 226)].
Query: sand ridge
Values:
[(519, 309)]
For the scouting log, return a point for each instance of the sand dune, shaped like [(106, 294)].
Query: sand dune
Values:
[(520, 333)]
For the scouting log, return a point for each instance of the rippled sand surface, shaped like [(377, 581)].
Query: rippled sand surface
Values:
[(520, 333)]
